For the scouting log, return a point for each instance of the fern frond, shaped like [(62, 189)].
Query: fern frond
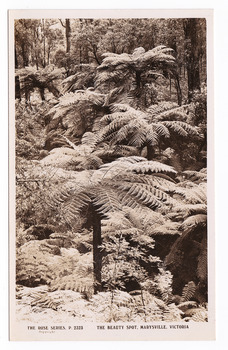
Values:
[(188, 291), (90, 139), (91, 162), (143, 193), (83, 78), (69, 142), (202, 262), (45, 301), (73, 282), (181, 128), (152, 167), (107, 153), (193, 193), (129, 201), (187, 210), (138, 137), (105, 199), (161, 129), (185, 305), (195, 176), (198, 314), (169, 228), (81, 95), (69, 202), (76, 103)]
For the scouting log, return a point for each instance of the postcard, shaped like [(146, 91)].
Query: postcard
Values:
[(111, 175)]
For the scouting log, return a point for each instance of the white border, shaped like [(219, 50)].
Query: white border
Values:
[(196, 331)]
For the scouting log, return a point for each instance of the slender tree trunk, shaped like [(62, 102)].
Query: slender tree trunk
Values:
[(44, 43), (179, 93), (48, 55), (193, 73), (95, 54), (24, 55), (68, 34), (25, 63), (97, 256), (17, 81)]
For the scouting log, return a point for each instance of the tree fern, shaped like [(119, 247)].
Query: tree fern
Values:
[(133, 70), (108, 196), (83, 78), (31, 78), (76, 111), (139, 129)]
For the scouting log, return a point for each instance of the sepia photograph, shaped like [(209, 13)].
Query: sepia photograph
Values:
[(110, 236)]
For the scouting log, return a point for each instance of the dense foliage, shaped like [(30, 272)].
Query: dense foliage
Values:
[(111, 169)]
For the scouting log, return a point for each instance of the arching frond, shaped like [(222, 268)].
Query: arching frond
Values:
[(188, 291), (195, 176), (139, 129), (105, 200), (77, 102), (152, 167), (161, 129), (143, 193), (181, 128), (193, 193), (110, 152), (138, 165), (90, 139), (91, 162)]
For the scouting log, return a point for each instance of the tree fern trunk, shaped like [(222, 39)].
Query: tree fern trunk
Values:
[(150, 152), (97, 256), (53, 89), (42, 93), (138, 79)]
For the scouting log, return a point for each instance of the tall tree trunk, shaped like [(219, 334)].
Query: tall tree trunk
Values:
[(68, 34), (24, 54), (95, 54), (192, 57), (97, 256), (25, 63), (44, 43), (17, 81)]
